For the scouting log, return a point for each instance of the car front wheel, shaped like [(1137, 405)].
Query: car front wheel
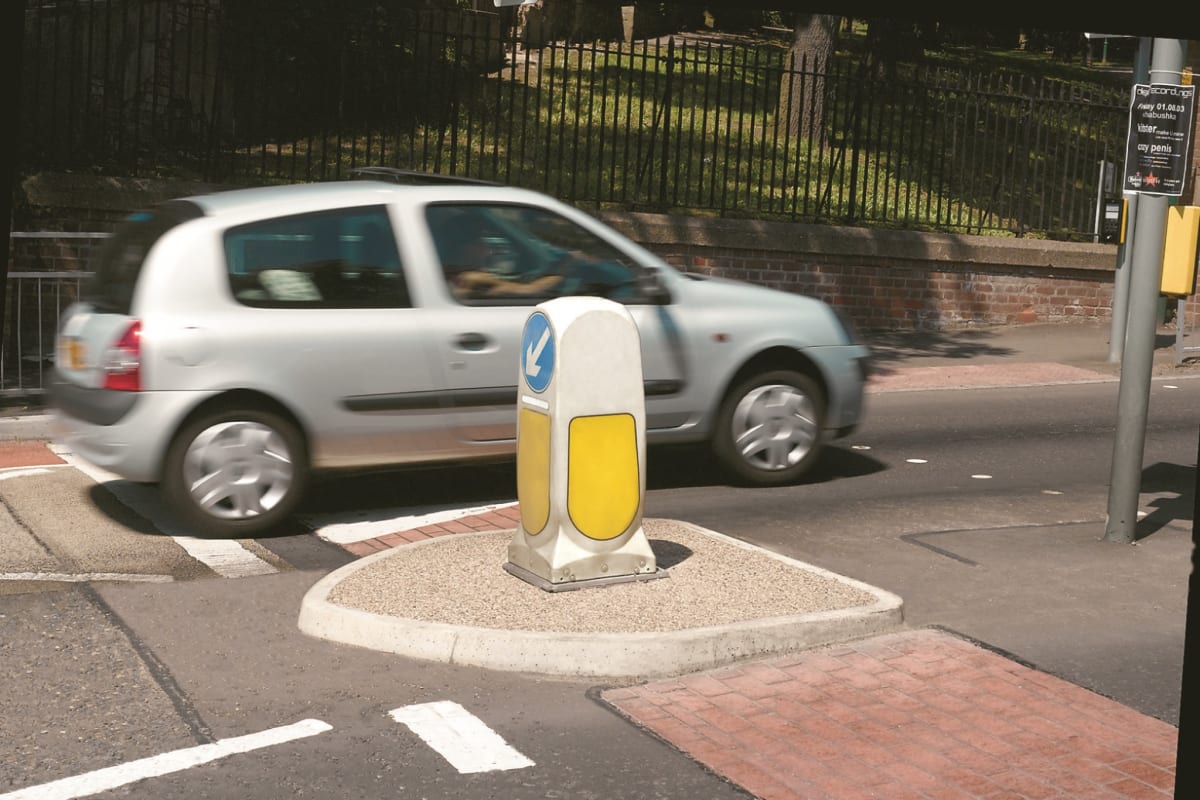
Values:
[(769, 428), (235, 473)]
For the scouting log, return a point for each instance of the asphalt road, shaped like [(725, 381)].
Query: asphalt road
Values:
[(105, 673)]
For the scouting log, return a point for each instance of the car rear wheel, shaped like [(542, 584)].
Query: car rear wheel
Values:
[(235, 473), (769, 428)]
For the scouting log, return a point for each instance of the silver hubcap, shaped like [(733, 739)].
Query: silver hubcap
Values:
[(238, 470), (774, 427)]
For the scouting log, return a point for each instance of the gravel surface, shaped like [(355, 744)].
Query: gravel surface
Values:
[(712, 580)]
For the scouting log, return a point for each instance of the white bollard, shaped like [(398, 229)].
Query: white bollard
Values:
[(581, 448)]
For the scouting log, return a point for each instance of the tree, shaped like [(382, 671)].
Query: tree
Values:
[(802, 91)]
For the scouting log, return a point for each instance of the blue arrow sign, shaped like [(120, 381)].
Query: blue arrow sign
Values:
[(537, 352)]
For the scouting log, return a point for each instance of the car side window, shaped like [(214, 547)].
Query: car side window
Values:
[(506, 254), (332, 259)]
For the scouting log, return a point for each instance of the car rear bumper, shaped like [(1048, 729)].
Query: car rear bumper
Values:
[(133, 447)]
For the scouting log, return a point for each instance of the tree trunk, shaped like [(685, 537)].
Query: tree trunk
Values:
[(802, 91)]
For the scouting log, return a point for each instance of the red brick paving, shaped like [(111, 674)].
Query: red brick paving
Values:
[(499, 519), (915, 714), (26, 453)]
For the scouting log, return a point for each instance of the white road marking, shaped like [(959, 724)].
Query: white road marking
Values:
[(227, 558), (860, 447), (21, 472), (981, 477), (459, 737), (385, 521), (916, 461), (86, 577), (103, 780)]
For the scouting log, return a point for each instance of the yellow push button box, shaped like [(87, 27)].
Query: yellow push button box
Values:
[(1179, 251)]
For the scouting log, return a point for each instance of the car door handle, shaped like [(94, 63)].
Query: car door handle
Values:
[(472, 341)]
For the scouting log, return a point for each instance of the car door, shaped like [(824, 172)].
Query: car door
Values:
[(523, 248), (338, 336)]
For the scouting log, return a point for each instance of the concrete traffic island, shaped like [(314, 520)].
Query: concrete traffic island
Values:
[(450, 600)]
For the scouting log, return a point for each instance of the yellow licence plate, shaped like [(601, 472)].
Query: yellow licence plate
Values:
[(72, 353)]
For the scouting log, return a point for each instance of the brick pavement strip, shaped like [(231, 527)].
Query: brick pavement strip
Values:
[(26, 454), (875, 722)]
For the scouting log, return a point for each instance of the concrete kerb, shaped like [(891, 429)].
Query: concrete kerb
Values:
[(627, 655)]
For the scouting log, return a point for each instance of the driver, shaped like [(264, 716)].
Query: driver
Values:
[(467, 259)]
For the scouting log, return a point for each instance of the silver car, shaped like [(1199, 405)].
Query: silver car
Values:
[(231, 345)]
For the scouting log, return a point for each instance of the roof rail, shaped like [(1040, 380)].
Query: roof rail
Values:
[(416, 176)]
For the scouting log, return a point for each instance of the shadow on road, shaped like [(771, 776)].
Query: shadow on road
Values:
[(894, 349), (1169, 479)]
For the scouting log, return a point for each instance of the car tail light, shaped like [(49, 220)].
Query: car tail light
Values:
[(123, 361)]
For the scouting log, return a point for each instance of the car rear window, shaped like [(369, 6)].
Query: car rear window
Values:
[(118, 262), (343, 258)]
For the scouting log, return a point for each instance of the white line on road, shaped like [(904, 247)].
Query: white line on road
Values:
[(460, 737), (21, 472), (108, 778), (329, 528), (227, 558), (86, 577)]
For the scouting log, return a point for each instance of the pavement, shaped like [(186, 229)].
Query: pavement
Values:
[(821, 690)]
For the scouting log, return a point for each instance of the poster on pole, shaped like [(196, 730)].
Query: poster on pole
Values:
[(1159, 142)]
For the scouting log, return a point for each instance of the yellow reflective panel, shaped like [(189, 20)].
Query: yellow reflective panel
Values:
[(533, 469), (603, 485)]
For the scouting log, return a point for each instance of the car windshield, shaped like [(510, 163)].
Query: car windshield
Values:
[(117, 264)]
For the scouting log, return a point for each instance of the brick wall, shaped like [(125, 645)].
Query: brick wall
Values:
[(896, 280), (883, 280)]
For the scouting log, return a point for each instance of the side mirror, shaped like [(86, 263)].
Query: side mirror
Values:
[(652, 289)]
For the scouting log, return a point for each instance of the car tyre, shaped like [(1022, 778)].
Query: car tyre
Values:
[(769, 428), (235, 473)]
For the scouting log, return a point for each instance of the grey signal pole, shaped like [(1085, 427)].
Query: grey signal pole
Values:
[(1137, 366), (1120, 306)]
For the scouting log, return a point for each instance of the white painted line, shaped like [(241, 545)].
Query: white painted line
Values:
[(916, 461), (86, 577), (21, 472), (385, 521), (459, 737), (227, 558), (102, 780), (981, 477)]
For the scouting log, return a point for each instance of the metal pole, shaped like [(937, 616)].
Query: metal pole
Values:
[(1120, 307), (1099, 204), (1144, 287)]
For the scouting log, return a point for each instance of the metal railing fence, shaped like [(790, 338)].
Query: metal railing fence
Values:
[(34, 302), (262, 91)]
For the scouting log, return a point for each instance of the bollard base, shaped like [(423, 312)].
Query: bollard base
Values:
[(568, 586)]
